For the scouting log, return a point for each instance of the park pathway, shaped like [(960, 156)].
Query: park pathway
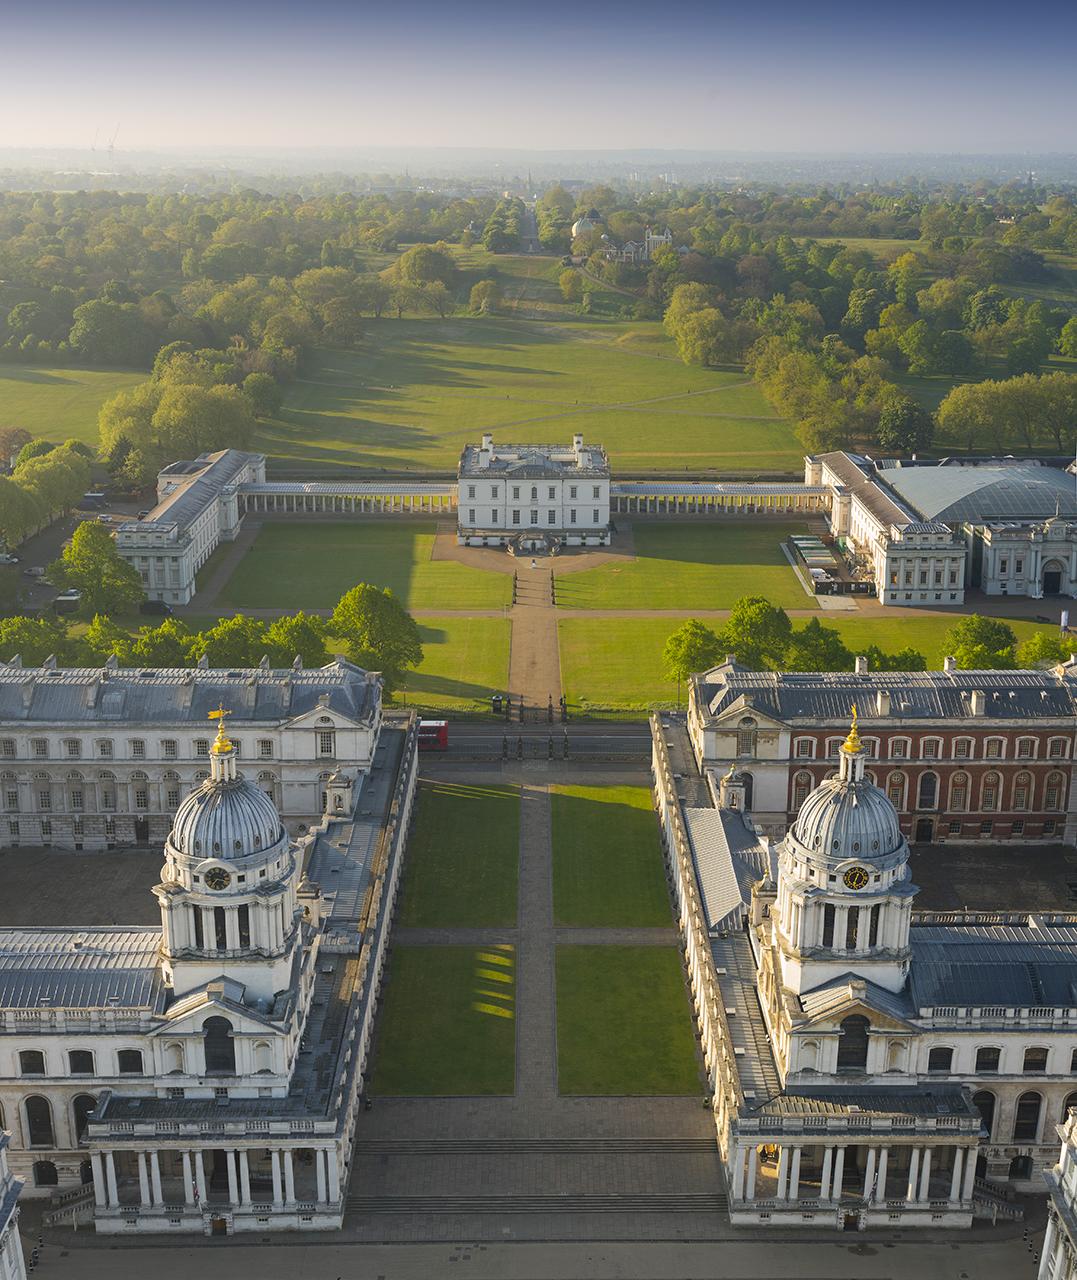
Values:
[(534, 657)]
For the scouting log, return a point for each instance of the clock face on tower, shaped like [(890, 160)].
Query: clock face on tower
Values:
[(854, 878), (217, 878)]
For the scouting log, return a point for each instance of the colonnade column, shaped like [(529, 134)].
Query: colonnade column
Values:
[(99, 1192), (753, 1157), (244, 1177), (274, 1156), (794, 1175), (155, 1178), (233, 1185), (869, 1175), (319, 1173), (881, 1173), (824, 1181), (970, 1174), (289, 1177), (955, 1180), (334, 1175), (188, 1176), (200, 1176), (110, 1176), (1048, 1248), (839, 1171), (738, 1172), (914, 1169), (143, 1181), (925, 1175)]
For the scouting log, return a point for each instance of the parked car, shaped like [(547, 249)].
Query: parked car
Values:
[(7, 558), (68, 601), (155, 608), (35, 571)]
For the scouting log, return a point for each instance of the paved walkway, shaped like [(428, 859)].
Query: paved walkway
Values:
[(534, 656)]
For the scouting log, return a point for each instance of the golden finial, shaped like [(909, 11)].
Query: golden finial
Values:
[(852, 742), (222, 743)]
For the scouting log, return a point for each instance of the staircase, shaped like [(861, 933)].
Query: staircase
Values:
[(994, 1201)]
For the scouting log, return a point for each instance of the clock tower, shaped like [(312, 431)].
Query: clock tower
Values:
[(228, 886), (844, 900)]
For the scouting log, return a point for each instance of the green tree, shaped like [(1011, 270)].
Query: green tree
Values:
[(109, 333), (264, 393), (692, 647), (757, 633), (103, 638), (301, 635), (571, 284), (485, 297), (905, 426), (1067, 339), (12, 440), (233, 642), (814, 647), (34, 449), (984, 644), (32, 639), (424, 264), (903, 660), (166, 645), (379, 633), (91, 563), (1044, 648)]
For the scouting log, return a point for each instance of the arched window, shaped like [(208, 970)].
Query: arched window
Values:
[(828, 925), (220, 1047), (39, 1131), (802, 785), (928, 791), (1053, 791), (987, 1059), (984, 1102), (1035, 1060), (940, 1060), (1068, 1105), (80, 1062), (45, 1174), (853, 1044), (746, 737), (989, 792), (1026, 1119), (1022, 791), (81, 1107), (31, 1062), (895, 790), (959, 792), (129, 1062)]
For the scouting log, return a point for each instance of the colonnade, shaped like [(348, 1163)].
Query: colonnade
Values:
[(438, 500), (706, 502), (915, 1188)]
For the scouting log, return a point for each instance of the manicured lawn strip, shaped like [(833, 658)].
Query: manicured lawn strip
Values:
[(706, 565), (310, 566), (607, 861), (465, 660), (463, 855), (59, 404), (441, 1032), (623, 1022)]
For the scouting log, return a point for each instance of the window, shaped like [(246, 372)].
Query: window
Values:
[(7, 748), (928, 792), (72, 748), (833, 746), (265, 748), (31, 1062), (39, 1122), (471, 491), (82, 1108), (1026, 748), (1018, 566), (326, 742), (1035, 1061), (44, 799), (493, 491), (987, 1060), (534, 516), (551, 493), (493, 515), (129, 1062), (1022, 788), (551, 516), (746, 737), (1004, 565), (899, 749), (940, 1060), (594, 516), (801, 788), (954, 828), (1056, 748), (11, 800), (828, 925), (219, 1046), (931, 748), (989, 792), (1052, 792), (895, 790), (46, 827), (39, 748), (572, 516), (77, 799), (962, 748), (805, 749), (873, 928), (138, 749), (993, 749), (595, 491), (169, 748), (572, 490), (201, 746), (1073, 1062), (172, 797), (516, 516), (853, 1045), (45, 1174), (1026, 1120), (471, 515), (959, 792), (984, 1102), (515, 490), (104, 748), (534, 493)]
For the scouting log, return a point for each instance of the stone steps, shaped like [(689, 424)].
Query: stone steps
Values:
[(501, 1205), (534, 1146)]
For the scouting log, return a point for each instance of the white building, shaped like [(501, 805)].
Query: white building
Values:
[(1058, 1260), (91, 758), (203, 1076), (928, 530), (533, 495), (870, 1066), (12, 1262), (197, 509)]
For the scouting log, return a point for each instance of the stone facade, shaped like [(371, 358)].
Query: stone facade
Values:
[(12, 1262), (1058, 1260)]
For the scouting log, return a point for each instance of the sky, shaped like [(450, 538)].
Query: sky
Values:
[(680, 74)]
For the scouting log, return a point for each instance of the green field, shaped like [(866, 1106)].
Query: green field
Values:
[(684, 566), (617, 662), (463, 854), (465, 660), (607, 860), (58, 404), (419, 390), (624, 1026), (310, 566), (448, 1025)]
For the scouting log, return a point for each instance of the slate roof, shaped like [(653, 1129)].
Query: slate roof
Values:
[(955, 494), (969, 965), (936, 1100), (81, 969), (839, 992), (180, 695), (182, 507), (825, 697), (729, 860), (536, 461)]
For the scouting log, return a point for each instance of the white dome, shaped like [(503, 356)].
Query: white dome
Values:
[(845, 818), (226, 819)]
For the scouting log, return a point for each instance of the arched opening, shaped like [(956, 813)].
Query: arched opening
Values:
[(81, 1108), (853, 1044), (749, 783), (746, 736), (1021, 1168), (45, 1174), (1068, 1105), (895, 1058), (173, 1058), (1052, 578), (1026, 1119), (984, 1102), (86, 1173), (801, 788), (959, 793), (39, 1131), (928, 791), (1053, 791), (1022, 791), (925, 830), (809, 1056), (263, 1056), (220, 1047), (989, 791)]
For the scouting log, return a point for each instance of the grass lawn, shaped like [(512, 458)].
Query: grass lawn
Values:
[(607, 861), (617, 662), (58, 404), (680, 566), (310, 566), (448, 1023), (420, 389), (465, 660), (623, 1022), (462, 864)]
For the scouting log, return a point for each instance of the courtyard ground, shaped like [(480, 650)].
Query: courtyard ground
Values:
[(465, 660)]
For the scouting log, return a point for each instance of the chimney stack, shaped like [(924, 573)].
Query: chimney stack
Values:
[(978, 702), (882, 702), (486, 453), (949, 665), (861, 667)]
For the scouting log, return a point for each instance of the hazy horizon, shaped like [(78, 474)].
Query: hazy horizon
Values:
[(687, 77)]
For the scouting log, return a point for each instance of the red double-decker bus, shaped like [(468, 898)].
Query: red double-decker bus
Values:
[(433, 735)]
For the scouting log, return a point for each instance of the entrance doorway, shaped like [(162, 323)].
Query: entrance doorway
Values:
[(218, 1226), (925, 829), (142, 830), (851, 1221), (1052, 578)]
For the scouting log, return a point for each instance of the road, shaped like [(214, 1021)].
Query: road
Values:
[(529, 240)]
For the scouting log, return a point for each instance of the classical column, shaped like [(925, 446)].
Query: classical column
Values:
[(914, 1168), (753, 1156), (319, 1169), (1047, 1261), (100, 1197), (970, 1174), (233, 1186), (274, 1157), (188, 1178), (884, 1152), (231, 929), (869, 1176), (200, 1175), (209, 929), (289, 1177), (794, 1175), (925, 1175), (955, 1180), (334, 1175), (110, 1175), (839, 1170), (824, 1181), (783, 1171), (738, 1172), (143, 1181), (244, 1176), (155, 1178)]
